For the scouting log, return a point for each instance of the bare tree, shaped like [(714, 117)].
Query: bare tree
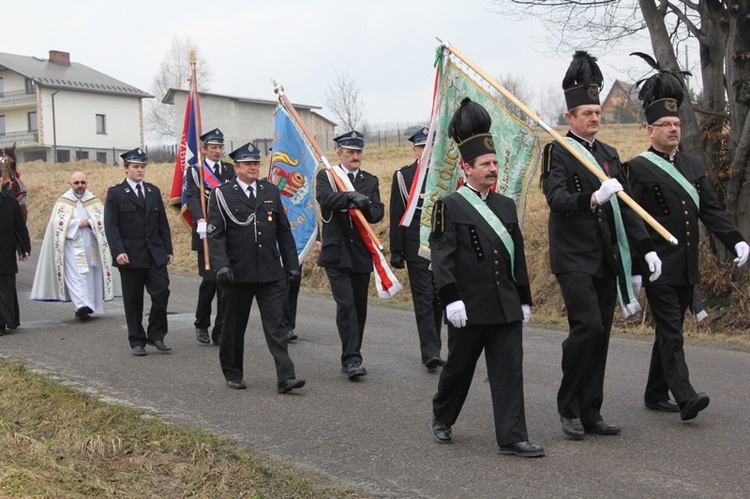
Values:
[(174, 72), (516, 85), (344, 101), (720, 28)]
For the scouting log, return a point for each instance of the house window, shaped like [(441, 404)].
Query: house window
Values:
[(82, 155), (2, 125), (101, 157), (29, 156), (29, 86), (63, 156), (32, 122), (2, 87), (101, 124)]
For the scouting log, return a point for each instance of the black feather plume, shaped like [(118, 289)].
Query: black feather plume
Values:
[(663, 85), (583, 70), (468, 120)]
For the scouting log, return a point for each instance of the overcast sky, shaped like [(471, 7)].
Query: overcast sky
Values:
[(388, 45)]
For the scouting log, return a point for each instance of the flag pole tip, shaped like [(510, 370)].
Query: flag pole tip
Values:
[(277, 87)]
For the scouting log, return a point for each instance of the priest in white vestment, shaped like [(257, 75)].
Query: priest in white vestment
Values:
[(75, 262)]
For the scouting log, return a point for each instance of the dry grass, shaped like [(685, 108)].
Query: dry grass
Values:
[(55, 442)]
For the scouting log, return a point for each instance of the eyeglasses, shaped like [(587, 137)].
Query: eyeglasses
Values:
[(666, 125), (79, 182)]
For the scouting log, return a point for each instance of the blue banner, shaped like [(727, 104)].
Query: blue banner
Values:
[(293, 167)]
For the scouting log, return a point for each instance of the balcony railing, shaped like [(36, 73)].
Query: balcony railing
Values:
[(16, 98), (20, 138)]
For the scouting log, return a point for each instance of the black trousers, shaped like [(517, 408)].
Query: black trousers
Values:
[(590, 303), (426, 309), (349, 290), (206, 292), (668, 370), (155, 280), (9, 311), (238, 300), (503, 352)]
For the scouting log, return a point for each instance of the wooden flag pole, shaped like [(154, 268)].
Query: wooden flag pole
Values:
[(561, 140), (279, 90), (199, 165)]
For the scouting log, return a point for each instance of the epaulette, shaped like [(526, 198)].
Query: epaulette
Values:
[(438, 219)]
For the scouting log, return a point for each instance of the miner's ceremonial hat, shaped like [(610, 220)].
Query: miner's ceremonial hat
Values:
[(583, 81), (470, 129), (662, 93)]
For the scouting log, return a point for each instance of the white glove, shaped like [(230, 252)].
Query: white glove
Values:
[(637, 284), (654, 265), (456, 313), (607, 190), (742, 250), (201, 229), (526, 311)]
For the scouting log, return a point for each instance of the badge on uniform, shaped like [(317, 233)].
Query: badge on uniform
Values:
[(210, 228)]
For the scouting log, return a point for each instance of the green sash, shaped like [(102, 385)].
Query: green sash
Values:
[(678, 177), (489, 216), (628, 302)]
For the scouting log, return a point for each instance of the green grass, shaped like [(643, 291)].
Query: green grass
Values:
[(56, 442)]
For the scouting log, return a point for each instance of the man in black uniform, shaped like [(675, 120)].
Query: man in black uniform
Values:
[(215, 173), (673, 188), (14, 238), (480, 270), (138, 234), (591, 237), (344, 255), (247, 234), (405, 251)]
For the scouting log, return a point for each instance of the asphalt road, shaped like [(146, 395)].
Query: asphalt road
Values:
[(375, 434)]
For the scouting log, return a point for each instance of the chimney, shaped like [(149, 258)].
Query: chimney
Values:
[(59, 57)]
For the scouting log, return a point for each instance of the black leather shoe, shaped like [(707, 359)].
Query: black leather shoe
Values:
[(601, 428), (84, 313), (522, 449), (693, 406), (441, 433), (354, 371), (139, 351), (573, 428), (290, 384), (433, 363), (161, 346), (237, 384), (202, 334), (291, 336), (663, 406)]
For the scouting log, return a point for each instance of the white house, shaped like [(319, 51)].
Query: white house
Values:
[(57, 110), (243, 119)]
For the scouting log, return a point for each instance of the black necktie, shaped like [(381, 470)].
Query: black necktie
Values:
[(217, 169), (351, 177), (139, 191), (251, 195)]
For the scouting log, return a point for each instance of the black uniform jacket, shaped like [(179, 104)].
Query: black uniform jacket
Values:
[(343, 247), (140, 231), (13, 234), (582, 239), (471, 263), (192, 193), (670, 205), (255, 252), (404, 239)]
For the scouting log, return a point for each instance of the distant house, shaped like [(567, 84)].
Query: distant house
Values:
[(622, 104), (243, 119), (57, 110)]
